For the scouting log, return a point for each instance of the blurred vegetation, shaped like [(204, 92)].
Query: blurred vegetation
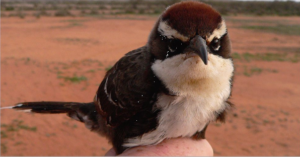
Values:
[(62, 12), (280, 8), (282, 57), (73, 79), (282, 26), (155, 7), (282, 29)]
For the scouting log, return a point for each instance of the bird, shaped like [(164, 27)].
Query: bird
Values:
[(173, 86)]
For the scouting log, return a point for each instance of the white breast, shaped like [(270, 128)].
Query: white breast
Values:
[(201, 93)]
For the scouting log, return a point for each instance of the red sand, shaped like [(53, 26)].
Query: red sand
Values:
[(35, 53)]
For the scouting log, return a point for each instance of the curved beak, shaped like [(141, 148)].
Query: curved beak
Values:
[(198, 45)]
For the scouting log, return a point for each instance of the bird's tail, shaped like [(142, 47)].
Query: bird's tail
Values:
[(48, 107), (83, 112), (75, 110)]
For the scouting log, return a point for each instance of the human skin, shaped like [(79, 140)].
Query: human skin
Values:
[(170, 147)]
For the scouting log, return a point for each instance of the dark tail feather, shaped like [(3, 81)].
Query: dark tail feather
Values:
[(83, 112), (49, 107)]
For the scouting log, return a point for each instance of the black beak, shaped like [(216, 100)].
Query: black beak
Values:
[(198, 45)]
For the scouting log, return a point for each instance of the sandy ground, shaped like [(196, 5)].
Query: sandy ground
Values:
[(39, 56)]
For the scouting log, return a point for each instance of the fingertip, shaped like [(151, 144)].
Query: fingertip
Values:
[(205, 148), (171, 147), (111, 152), (188, 147)]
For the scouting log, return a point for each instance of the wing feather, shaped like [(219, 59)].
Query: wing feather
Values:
[(127, 88)]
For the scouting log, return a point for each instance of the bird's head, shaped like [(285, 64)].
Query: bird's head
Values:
[(187, 27), (192, 37)]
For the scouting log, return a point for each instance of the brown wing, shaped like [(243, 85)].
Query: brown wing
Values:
[(128, 87)]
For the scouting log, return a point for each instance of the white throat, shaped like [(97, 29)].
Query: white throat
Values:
[(192, 77)]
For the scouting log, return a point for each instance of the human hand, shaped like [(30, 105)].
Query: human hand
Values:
[(170, 147)]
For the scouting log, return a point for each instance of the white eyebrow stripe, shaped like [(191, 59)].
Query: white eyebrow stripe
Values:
[(218, 33), (170, 33)]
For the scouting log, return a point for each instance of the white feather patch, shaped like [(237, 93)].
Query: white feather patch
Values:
[(28, 110), (218, 33), (8, 107), (19, 105), (202, 91), (109, 95), (169, 32)]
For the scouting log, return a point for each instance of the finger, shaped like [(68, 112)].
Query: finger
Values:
[(173, 147), (111, 152)]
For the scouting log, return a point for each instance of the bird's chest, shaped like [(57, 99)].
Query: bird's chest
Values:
[(180, 116), (185, 115)]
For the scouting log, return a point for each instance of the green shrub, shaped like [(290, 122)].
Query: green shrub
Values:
[(62, 12)]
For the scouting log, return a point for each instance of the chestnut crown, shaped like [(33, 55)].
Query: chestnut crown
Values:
[(191, 18)]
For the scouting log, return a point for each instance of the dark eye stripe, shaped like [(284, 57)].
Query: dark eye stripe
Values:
[(175, 47), (174, 44)]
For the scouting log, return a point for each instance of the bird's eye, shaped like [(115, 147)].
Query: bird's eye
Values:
[(215, 44), (174, 45)]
